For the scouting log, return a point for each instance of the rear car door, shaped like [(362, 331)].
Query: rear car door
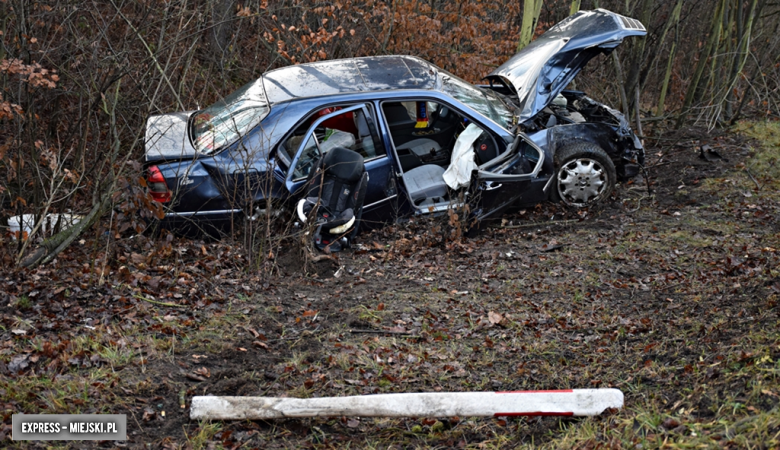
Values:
[(353, 127)]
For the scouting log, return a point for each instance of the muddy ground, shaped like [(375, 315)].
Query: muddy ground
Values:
[(669, 295)]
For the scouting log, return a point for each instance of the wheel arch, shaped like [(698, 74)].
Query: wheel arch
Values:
[(599, 134)]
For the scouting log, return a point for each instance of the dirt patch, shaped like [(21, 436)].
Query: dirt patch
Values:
[(669, 295)]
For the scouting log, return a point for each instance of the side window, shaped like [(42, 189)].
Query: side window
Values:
[(368, 142), (354, 129), (309, 157), (412, 108), (426, 132)]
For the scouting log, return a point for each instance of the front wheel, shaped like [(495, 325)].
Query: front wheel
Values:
[(585, 175)]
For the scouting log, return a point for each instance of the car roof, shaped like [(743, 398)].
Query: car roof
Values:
[(339, 76)]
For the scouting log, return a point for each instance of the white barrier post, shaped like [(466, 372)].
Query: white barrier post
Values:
[(571, 402)]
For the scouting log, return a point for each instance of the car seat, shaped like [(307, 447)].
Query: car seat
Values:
[(397, 116), (336, 189), (426, 182), (365, 140)]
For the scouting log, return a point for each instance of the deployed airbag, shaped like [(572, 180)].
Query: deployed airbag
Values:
[(458, 174)]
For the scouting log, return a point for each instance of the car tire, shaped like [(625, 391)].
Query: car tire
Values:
[(584, 175)]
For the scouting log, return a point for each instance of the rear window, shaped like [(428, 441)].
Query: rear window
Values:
[(227, 120)]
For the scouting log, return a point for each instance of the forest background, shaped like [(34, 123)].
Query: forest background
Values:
[(668, 291), (79, 78)]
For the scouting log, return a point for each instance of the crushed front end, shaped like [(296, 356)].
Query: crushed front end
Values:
[(573, 116)]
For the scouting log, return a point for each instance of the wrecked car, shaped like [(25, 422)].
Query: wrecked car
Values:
[(427, 139)]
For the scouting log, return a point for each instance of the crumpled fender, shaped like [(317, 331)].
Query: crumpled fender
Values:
[(600, 134), (620, 143)]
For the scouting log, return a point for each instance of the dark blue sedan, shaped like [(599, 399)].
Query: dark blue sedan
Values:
[(429, 140)]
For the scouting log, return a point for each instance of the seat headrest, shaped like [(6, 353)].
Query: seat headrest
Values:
[(361, 124), (396, 113), (344, 163)]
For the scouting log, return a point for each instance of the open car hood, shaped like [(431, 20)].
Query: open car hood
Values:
[(541, 70)]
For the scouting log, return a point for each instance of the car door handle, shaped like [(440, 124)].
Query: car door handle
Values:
[(489, 186)]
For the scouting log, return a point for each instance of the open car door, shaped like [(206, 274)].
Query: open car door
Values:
[(352, 127), (515, 175)]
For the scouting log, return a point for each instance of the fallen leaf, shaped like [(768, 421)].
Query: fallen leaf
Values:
[(253, 331), (670, 423), (18, 363), (149, 414), (137, 258), (495, 318), (552, 246), (194, 377)]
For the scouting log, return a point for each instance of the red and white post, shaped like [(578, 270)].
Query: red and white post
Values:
[(570, 402)]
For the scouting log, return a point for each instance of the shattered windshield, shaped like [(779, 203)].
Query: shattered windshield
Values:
[(230, 118), (480, 100)]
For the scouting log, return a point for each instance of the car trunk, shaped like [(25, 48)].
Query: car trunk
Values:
[(167, 139)]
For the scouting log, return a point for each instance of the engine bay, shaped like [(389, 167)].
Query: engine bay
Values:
[(571, 107)]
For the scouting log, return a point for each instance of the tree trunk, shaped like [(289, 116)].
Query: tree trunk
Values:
[(735, 22), (745, 97), (655, 51), (221, 31), (693, 86), (52, 246), (665, 86), (741, 54), (621, 84), (673, 19), (575, 7), (531, 10), (719, 51), (637, 55)]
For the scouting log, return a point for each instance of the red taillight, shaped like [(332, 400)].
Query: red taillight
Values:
[(157, 186)]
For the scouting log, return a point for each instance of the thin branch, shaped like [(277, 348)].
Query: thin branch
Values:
[(151, 54)]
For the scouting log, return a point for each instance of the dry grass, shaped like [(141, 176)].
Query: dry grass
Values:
[(674, 303)]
